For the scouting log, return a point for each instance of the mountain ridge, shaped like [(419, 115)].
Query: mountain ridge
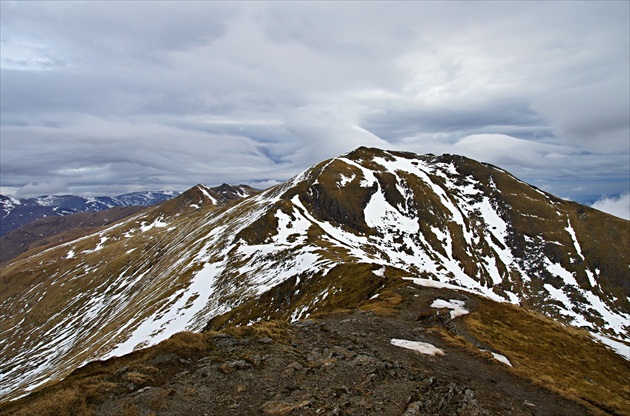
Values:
[(59, 228), (443, 221)]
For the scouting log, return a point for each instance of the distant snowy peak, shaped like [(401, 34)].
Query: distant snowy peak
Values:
[(15, 213), (7, 204), (146, 198)]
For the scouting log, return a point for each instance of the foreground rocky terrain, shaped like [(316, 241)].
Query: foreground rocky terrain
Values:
[(346, 363)]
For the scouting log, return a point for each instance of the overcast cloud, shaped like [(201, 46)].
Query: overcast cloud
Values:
[(109, 97)]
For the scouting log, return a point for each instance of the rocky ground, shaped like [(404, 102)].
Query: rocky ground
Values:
[(338, 364)]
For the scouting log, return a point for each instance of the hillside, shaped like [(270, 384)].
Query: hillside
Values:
[(357, 361), (54, 230), (336, 235)]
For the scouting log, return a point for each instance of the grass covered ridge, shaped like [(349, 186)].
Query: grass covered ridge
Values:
[(346, 286), (562, 358)]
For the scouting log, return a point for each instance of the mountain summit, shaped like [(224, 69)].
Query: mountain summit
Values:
[(337, 234)]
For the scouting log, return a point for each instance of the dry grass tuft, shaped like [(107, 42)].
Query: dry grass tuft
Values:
[(67, 401), (386, 304), (274, 329), (185, 344)]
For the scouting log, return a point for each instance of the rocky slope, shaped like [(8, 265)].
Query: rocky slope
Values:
[(411, 351), (329, 238)]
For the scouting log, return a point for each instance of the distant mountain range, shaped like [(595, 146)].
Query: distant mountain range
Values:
[(456, 257), (14, 213)]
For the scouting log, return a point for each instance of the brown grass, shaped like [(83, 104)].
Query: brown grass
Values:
[(561, 358), (185, 343), (386, 304), (275, 329)]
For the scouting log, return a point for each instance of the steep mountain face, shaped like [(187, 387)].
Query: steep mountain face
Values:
[(299, 248), (15, 213)]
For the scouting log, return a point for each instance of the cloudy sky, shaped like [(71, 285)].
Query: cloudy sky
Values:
[(103, 98)]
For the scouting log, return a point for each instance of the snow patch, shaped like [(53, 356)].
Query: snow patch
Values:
[(617, 346), (380, 272), (456, 306), (207, 194), (158, 223), (344, 180), (576, 244), (500, 357), (98, 247), (421, 347), (181, 307)]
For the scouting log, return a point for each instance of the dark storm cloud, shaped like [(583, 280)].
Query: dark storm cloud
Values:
[(105, 97)]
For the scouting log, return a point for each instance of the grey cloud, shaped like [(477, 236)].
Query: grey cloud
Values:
[(406, 119), (595, 115), (55, 186), (111, 96), (99, 31)]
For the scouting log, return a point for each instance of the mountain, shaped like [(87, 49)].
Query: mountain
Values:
[(357, 228), (15, 213), (60, 228)]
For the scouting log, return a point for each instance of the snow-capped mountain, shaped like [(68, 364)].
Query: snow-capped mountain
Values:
[(15, 213), (288, 252)]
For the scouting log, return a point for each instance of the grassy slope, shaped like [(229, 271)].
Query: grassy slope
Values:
[(559, 357)]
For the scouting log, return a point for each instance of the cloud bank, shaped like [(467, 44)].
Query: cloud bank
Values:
[(111, 97), (619, 207)]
